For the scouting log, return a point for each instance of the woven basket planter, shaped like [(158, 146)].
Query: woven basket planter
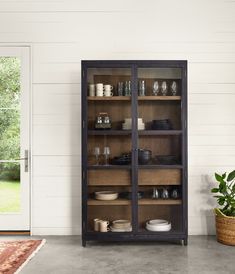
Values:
[(225, 229)]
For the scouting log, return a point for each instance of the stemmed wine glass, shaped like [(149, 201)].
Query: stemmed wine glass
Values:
[(106, 155), (96, 152), (155, 88), (164, 88), (174, 88)]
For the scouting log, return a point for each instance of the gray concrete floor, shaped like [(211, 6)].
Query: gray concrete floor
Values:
[(64, 255)]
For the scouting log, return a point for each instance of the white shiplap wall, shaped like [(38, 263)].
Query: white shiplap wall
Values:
[(62, 33)]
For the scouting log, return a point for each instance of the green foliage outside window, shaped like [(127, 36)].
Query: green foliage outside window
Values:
[(9, 117)]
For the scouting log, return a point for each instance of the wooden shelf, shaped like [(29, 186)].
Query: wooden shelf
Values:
[(159, 202), (159, 98), (111, 98), (109, 132), (109, 167), (93, 202), (128, 132), (160, 166), (159, 132)]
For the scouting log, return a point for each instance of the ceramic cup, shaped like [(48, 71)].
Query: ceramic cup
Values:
[(99, 89), (97, 224), (92, 90), (108, 90), (104, 226)]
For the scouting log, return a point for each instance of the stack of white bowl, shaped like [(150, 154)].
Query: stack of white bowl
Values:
[(158, 225), (121, 226), (127, 125)]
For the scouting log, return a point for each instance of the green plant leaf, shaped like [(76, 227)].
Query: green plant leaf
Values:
[(224, 175), (231, 176), (214, 190), (222, 187), (218, 177), (221, 201)]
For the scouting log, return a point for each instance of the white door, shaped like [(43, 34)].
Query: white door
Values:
[(14, 138)]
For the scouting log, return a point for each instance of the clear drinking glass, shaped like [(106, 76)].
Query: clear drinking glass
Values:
[(106, 155), (164, 88), (156, 88), (174, 88), (96, 152)]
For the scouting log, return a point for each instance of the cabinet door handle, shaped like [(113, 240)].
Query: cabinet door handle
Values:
[(26, 160)]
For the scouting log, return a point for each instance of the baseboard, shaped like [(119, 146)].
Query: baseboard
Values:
[(14, 233)]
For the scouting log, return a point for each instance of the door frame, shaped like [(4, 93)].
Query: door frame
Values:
[(29, 46)]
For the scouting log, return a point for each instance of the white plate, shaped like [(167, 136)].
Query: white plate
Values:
[(120, 229), (160, 228)]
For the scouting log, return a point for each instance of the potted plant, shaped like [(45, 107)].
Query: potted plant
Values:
[(225, 216)]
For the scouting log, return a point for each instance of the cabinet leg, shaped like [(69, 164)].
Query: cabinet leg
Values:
[(185, 242), (83, 243)]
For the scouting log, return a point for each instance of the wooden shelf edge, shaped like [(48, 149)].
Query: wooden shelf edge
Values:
[(159, 98), (108, 167), (160, 167), (93, 202), (111, 98), (159, 202), (108, 132), (159, 132)]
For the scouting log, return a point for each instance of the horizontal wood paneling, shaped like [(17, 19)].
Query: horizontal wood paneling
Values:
[(62, 33)]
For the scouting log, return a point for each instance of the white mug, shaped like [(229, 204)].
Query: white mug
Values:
[(92, 90), (108, 93), (108, 87), (104, 226), (97, 224), (99, 89), (99, 92)]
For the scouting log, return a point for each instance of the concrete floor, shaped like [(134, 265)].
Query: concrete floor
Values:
[(64, 255)]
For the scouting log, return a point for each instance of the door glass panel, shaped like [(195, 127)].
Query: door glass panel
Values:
[(159, 147), (9, 134), (109, 146), (9, 187)]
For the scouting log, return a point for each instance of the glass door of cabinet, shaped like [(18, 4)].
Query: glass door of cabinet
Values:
[(109, 149), (159, 149)]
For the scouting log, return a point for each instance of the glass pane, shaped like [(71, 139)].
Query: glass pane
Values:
[(9, 187), (109, 146), (160, 148), (9, 82), (9, 134), (9, 108)]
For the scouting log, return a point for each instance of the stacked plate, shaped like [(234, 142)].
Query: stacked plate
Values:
[(121, 226), (158, 225), (162, 124), (127, 125), (106, 195)]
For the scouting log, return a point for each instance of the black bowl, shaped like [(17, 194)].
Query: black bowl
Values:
[(166, 159), (144, 156)]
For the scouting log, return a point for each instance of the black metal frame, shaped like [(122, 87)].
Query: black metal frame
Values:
[(135, 235)]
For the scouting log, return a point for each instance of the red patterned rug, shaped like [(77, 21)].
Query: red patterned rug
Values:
[(15, 254)]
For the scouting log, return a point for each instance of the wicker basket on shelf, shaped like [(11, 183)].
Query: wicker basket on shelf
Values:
[(225, 228)]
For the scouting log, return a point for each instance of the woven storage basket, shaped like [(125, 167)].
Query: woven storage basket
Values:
[(225, 229)]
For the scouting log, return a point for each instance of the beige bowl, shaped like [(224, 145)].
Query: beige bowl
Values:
[(106, 195), (121, 224)]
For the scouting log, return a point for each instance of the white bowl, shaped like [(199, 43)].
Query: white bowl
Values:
[(121, 224), (106, 195), (159, 228), (157, 222)]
